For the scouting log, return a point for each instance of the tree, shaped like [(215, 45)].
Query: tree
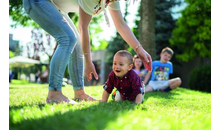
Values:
[(193, 32), (164, 23), (19, 16), (11, 54), (41, 44), (147, 27)]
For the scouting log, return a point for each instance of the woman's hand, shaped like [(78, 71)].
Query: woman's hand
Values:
[(130, 38), (145, 57), (89, 70)]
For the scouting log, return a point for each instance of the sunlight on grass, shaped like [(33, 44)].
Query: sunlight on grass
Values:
[(177, 110)]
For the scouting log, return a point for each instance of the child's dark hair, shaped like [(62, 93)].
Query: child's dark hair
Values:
[(127, 54), (137, 57), (168, 50)]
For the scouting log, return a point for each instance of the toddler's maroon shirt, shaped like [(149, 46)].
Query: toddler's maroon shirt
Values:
[(129, 86)]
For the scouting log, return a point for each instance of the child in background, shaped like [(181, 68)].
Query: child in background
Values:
[(122, 77), (160, 73), (138, 67)]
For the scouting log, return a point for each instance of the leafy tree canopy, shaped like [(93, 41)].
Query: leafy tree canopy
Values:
[(193, 33), (19, 17), (11, 54)]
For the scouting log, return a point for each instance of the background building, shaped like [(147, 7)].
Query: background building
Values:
[(13, 44)]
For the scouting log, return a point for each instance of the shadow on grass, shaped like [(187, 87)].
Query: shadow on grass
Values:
[(40, 106), (171, 94), (166, 95), (95, 117)]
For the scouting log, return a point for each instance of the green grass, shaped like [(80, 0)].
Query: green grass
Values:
[(180, 109)]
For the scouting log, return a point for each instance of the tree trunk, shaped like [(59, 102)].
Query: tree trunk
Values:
[(147, 27)]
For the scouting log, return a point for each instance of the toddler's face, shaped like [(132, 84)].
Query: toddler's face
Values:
[(121, 65)]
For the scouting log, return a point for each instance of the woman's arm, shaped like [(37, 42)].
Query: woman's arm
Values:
[(129, 37), (84, 20)]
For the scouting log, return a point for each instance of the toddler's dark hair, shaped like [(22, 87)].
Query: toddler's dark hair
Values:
[(127, 54)]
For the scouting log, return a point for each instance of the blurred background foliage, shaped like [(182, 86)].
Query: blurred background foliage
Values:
[(189, 34)]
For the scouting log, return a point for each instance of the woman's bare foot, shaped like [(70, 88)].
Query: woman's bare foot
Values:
[(81, 95), (58, 97)]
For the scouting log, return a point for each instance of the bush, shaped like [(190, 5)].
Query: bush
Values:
[(200, 79)]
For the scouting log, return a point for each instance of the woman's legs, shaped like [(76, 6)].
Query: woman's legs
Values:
[(76, 67), (51, 20)]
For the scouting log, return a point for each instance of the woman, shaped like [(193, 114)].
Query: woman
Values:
[(52, 16)]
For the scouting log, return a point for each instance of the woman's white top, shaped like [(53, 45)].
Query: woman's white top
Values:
[(91, 7)]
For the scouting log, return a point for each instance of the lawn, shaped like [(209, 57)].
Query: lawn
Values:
[(180, 109)]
